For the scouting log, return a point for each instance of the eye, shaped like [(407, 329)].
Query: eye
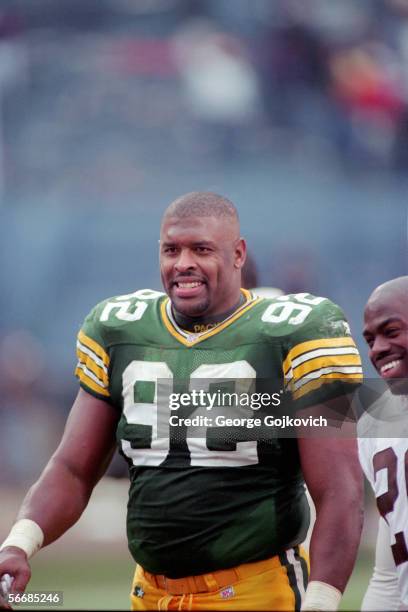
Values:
[(169, 250), (203, 249), (392, 332)]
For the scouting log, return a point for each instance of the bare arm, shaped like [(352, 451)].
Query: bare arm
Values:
[(333, 476), (57, 500)]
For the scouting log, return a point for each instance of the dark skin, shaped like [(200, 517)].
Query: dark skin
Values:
[(204, 251), (386, 332), (332, 472), (333, 476), (212, 254)]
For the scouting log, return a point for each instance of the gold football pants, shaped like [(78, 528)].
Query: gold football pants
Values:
[(275, 584)]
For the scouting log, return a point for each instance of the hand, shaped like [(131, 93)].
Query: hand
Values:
[(13, 561)]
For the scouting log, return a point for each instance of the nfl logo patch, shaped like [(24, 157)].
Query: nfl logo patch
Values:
[(227, 593), (138, 592)]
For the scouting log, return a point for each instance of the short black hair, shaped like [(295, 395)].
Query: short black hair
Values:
[(202, 204)]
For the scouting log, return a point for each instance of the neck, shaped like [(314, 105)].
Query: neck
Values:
[(205, 322)]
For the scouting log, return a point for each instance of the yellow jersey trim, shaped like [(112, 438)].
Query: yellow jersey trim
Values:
[(310, 345), (200, 337), (91, 365), (312, 385), (94, 346), (327, 361), (90, 383)]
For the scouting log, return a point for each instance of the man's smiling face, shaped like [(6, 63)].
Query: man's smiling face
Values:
[(386, 333), (200, 264)]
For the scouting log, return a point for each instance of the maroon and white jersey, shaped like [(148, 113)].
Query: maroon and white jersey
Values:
[(385, 464)]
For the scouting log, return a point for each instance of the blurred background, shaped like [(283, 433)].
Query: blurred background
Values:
[(110, 109)]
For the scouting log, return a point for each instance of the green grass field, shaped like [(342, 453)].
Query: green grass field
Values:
[(358, 582), (92, 583)]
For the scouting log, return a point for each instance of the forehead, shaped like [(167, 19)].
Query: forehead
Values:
[(384, 306), (195, 229)]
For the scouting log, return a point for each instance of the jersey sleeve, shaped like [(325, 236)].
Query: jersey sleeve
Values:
[(322, 360), (92, 369)]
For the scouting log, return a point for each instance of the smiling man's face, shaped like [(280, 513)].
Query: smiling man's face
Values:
[(386, 333), (200, 264)]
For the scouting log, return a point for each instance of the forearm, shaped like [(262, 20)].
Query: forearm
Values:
[(57, 500), (336, 536), (48, 510)]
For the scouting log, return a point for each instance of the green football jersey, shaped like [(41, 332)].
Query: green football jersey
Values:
[(204, 501)]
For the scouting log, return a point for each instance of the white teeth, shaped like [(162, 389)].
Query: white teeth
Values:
[(390, 365), (189, 285)]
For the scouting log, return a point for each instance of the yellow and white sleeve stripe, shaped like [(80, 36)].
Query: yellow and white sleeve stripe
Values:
[(93, 363), (310, 364)]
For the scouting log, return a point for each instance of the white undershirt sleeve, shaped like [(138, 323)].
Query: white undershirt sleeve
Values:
[(383, 592)]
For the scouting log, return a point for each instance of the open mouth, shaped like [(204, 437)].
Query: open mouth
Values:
[(188, 288), (392, 369), (188, 285)]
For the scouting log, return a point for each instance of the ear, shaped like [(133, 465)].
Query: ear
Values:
[(240, 253)]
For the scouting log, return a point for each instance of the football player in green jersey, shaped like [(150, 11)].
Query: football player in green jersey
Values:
[(215, 521)]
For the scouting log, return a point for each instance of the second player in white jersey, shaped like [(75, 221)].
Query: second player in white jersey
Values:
[(383, 443), (385, 464)]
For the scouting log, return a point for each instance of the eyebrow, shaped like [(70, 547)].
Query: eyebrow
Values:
[(196, 243), (393, 319)]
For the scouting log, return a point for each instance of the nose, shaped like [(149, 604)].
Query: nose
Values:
[(380, 347), (185, 261)]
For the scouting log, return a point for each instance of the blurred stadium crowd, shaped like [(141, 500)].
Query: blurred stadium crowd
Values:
[(211, 75), (109, 108)]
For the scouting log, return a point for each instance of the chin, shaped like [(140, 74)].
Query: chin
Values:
[(190, 309)]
